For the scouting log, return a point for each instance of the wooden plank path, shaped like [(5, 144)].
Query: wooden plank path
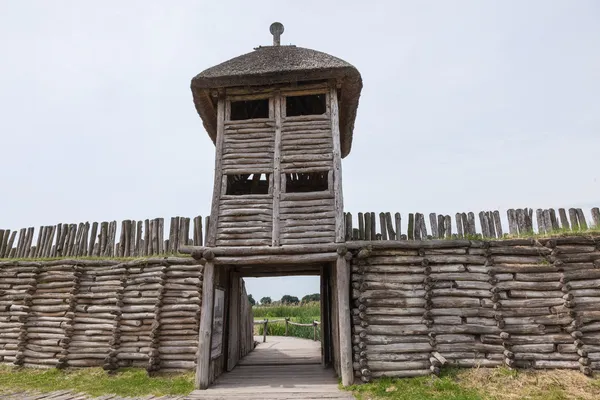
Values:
[(282, 368)]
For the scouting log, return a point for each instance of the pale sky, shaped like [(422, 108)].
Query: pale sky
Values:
[(466, 106)]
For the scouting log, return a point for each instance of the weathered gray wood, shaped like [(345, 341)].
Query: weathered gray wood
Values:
[(471, 222), (368, 226), (383, 226), (235, 319), (498, 224), (459, 226), (398, 224), (448, 226), (92, 242), (434, 226), (4, 244), (344, 323), (595, 217), (581, 219), (574, 221), (411, 226), (160, 245), (206, 319), (214, 215), (337, 164), (484, 224)]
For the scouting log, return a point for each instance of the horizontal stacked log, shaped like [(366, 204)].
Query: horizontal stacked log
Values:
[(521, 302), (83, 313)]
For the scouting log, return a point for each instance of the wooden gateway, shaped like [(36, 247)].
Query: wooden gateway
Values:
[(282, 119)]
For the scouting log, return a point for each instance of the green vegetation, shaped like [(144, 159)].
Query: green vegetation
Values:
[(311, 297), (484, 384), (287, 299), (301, 314), (95, 381), (265, 301)]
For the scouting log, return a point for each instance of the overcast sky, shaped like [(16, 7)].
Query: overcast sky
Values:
[(466, 106)]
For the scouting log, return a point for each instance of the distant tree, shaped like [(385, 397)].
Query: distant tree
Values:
[(311, 297), (287, 299), (265, 301), (251, 300)]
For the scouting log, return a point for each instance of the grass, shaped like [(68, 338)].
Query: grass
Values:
[(302, 314), (485, 384), (95, 381)]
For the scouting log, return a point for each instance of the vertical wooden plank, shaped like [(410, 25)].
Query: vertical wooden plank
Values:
[(512, 222), (160, 224), (411, 226), (554, 220), (132, 238), (200, 232), (546, 221), (233, 346), (529, 219), (173, 226), (50, 240), (28, 249), (103, 238), (398, 223), (417, 226), (471, 222), (4, 244), (214, 209), (138, 239), (92, 242), (573, 217), (38, 242), (337, 163), (459, 227), (373, 227), (498, 224), (484, 224), (465, 224), (392, 235), (491, 227), (383, 226), (540, 221), (433, 224), (448, 226), (595, 217), (564, 221), (368, 226), (440, 227), (348, 226), (581, 219), (9, 245), (361, 226), (113, 237), (344, 323), (277, 177), (21, 242), (206, 320)]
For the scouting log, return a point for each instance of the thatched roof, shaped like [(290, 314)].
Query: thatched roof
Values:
[(280, 64)]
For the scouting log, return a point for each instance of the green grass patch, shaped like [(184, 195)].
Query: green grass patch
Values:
[(95, 381), (446, 387), (485, 384)]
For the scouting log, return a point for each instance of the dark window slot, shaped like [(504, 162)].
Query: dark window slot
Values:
[(313, 104), (238, 185), (307, 182), (249, 109)]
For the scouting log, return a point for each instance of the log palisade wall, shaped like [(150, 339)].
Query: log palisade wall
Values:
[(252, 224), (523, 303), (83, 313)]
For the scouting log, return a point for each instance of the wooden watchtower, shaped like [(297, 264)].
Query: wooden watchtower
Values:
[(282, 119)]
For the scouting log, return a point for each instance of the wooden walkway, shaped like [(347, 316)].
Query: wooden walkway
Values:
[(282, 368)]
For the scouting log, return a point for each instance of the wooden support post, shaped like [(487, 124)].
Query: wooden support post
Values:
[(206, 321), (277, 176), (344, 323), (314, 331), (287, 320), (211, 235), (233, 348), (265, 330), (337, 165)]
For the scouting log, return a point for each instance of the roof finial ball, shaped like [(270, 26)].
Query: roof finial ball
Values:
[(276, 29)]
